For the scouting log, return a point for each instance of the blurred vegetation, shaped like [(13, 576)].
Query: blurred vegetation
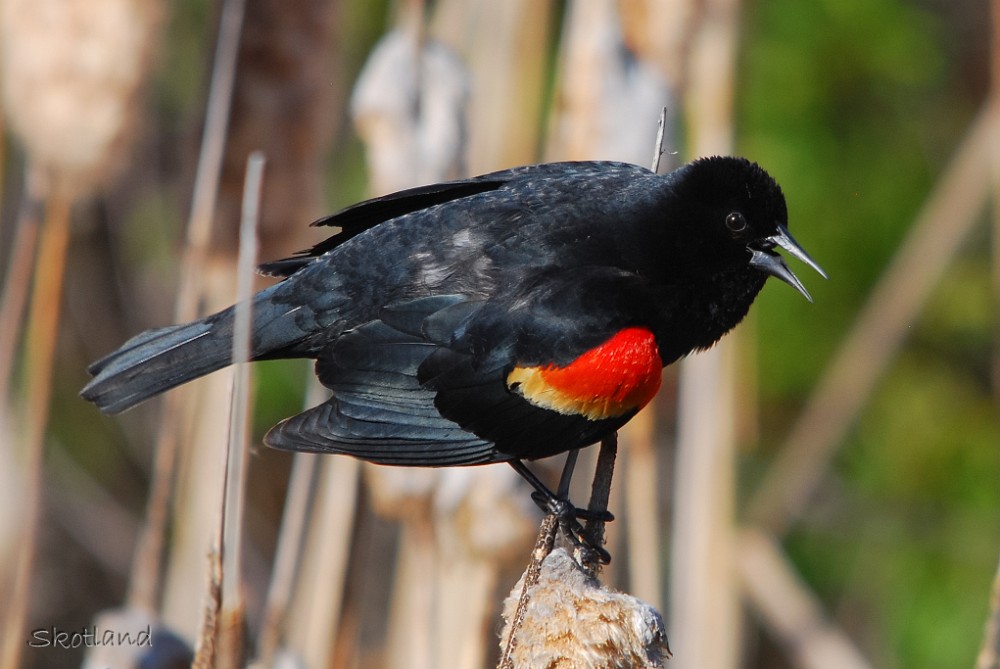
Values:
[(855, 107)]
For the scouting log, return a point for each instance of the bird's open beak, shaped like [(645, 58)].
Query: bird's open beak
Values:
[(773, 264)]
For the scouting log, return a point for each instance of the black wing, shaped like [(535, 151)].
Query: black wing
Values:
[(357, 218), (360, 217), (427, 382), (379, 411)]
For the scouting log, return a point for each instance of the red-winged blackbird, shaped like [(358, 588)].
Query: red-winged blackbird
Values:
[(511, 316)]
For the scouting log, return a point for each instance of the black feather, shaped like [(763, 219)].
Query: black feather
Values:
[(357, 218), (417, 310)]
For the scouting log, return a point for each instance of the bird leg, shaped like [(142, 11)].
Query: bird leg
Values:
[(558, 505), (567, 474)]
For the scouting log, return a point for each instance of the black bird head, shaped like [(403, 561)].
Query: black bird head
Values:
[(733, 215)]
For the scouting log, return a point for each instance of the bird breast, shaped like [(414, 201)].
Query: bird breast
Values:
[(617, 377)]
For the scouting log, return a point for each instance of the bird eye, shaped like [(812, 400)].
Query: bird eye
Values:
[(736, 222)]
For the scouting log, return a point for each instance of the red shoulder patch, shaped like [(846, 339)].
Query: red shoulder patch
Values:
[(618, 376)]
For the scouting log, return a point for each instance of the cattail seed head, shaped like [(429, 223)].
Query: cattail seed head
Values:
[(71, 74)]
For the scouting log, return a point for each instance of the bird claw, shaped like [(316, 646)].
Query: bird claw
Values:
[(564, 509), (575, 534), (569, 522), (595, 516)]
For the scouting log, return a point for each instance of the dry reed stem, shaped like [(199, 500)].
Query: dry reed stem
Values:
[(411, 609), (642, 510), (483, 524), (284, 103), (658, 144), (196, 281), (231, 634), (989, 651), (206, 648), (240, 414), (319, 592), (39, 353), (789, 610), (947, 217), (606, 97), (994, 102), (85, 508), (543, 546), (147, 559), (313, 622), (465, 603), (203, 426), (3, 155), (231, 650), (287, 557), (508, 45), (15, 292), (210, 156), (704, 600), (660, 33), (409, 106), (641, 486), (144, 586)]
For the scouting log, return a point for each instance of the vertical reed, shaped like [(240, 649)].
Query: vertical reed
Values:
[(72, 76)]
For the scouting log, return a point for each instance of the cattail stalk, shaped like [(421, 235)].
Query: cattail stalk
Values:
[(40, 344), (233, 606), (190, 542), (72, 73), (287, 556), (15, 291), (704, 607)]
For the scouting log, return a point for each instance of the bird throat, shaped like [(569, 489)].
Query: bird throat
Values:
[(617, 377)]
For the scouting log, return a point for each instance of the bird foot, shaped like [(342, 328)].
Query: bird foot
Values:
[(569, 518), (563, 508)]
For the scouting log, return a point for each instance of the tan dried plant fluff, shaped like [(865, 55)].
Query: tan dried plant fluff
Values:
[(409, 106), (71, 74), (572, 621)]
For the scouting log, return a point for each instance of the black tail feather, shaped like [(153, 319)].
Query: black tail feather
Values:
[(156, 361), (161, 359)]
